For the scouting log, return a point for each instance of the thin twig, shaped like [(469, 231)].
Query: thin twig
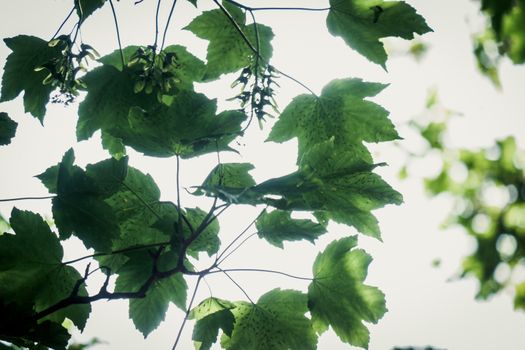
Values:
[(156, 24), (236, 26), (25, 198), (239, 235), (237, 284), (167, 24), (119, 251), (187, 313), (63, 23), (266, 271), (235, 249), (118, 33)]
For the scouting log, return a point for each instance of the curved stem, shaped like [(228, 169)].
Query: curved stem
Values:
[(25, 198), (237, 284), (267, 271), (156, 24), (167, 24), (63, 23), (235, 249), (118, 32), (119, 251), (187, 313), (239, 236)]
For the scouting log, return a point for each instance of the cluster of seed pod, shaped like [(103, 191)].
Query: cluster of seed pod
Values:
[(154, 71), (63, 69), (257, 91)]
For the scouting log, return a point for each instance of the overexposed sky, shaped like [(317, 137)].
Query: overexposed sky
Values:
[(425, 309)]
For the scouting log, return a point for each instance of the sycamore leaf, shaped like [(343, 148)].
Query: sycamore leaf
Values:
[(278, 226), (277, 322), (108, 175), (85, 8), (227, 51), (79, 208), (189, 127), (337, 296), (29, 53), (361, 23), (227, 179), (148, 312), (31, 269), (340, 113), (519, 297), (7, 129), (211, 315)]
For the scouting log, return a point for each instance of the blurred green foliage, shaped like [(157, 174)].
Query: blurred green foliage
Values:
[(488, 188), (504, 35)]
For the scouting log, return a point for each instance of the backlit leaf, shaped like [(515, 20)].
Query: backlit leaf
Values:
[(277, 322), (278, 226), (361, 23), (29, 52), (337, 296)]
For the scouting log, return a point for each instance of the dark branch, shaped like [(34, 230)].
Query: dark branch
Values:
[(63, 23), (118, 32), (168, 24), (25, 198)]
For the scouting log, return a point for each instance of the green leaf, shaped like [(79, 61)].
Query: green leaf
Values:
[(189, 127), (148, 312), (361, 23), (137, 207), (7, 129), (341, 112), (227, 180), (519, 298), (85, 8), (189, 68), (31, 269), (227, 51), (108, 111), (278, 226), (29, 52), (108, 175), (337, 296), (211, 315), (277, 322), (79, 208)]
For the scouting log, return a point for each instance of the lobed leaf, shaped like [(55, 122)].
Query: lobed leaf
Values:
[(29, 53), (337, 296), (227, 51), (31, 269), (277, 321), (278, 226), (361, 23)]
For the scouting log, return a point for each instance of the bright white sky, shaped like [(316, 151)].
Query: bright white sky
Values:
[(425, 309)]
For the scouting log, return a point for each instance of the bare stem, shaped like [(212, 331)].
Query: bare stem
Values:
[(25, 198), (168, 24), (187, 313), (63, 23), (118, 32), (266, 271)]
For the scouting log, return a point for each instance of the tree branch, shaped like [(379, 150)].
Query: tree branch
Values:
[(118, 33), (187, 313), (25, 198), (167, 24)]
